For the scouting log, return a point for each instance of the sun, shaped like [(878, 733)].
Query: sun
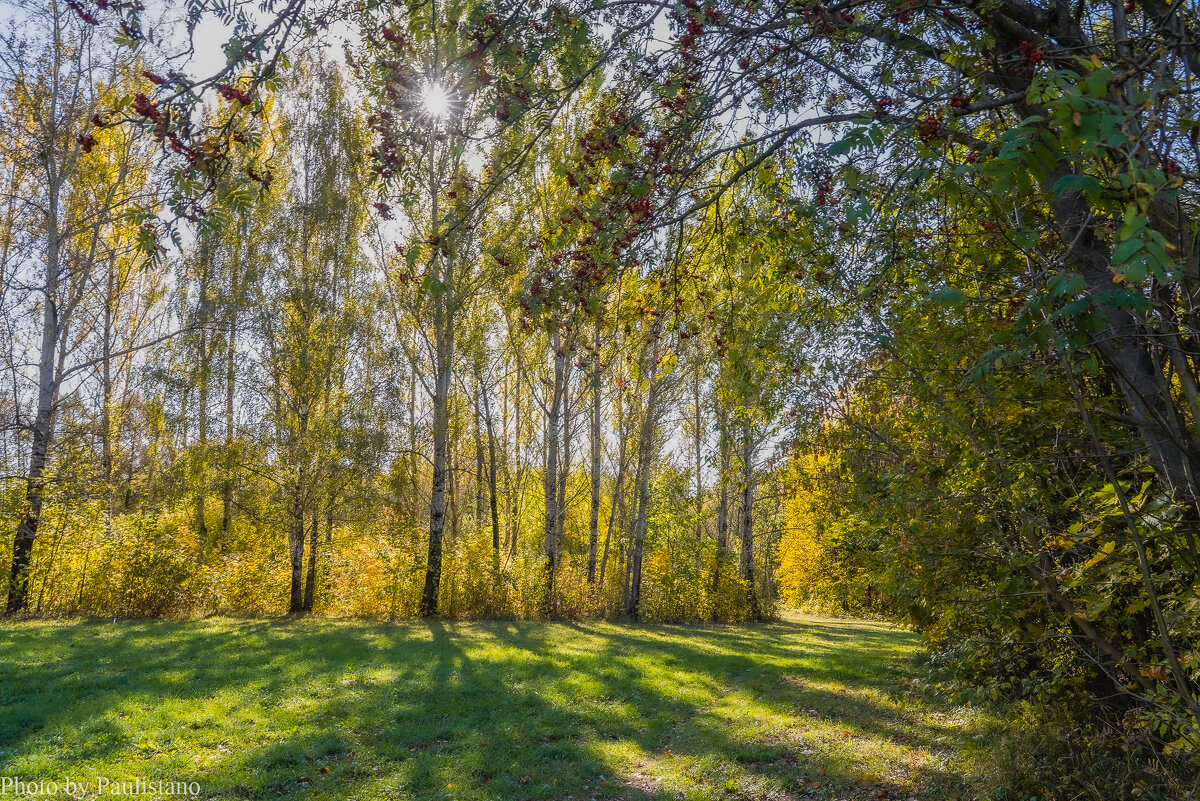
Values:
[(437, 101)]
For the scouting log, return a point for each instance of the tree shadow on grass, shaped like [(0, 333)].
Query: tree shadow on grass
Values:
[(451, 725), (837, 710), (315, 710)]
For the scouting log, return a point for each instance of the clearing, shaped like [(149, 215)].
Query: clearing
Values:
[(316, 709)]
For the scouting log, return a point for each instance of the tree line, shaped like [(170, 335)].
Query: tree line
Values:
[(310, 402)]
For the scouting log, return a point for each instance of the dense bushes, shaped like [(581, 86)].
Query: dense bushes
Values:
[(980, 512), (149, 564)]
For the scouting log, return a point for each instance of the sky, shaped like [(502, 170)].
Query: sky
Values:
[(211, 34)]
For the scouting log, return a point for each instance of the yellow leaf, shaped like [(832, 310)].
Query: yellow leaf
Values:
[(1105, 551)]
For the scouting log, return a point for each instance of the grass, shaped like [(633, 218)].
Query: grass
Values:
[(311, 709)]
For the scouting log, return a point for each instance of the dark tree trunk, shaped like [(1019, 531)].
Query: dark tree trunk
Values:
[(299, 507), (594, 511), (296, 554), (1124, 344), (480, 491), (453, 489), (310, 579), (437, 524), (696, 445), (18, 586), (413, 486), (491, 455), (746, 568)]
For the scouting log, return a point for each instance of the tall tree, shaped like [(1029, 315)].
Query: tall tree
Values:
[(58, 76), (310, 310)]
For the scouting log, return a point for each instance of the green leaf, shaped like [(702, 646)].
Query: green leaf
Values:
[(1134, 223), (948, 296), (1068, 184), (841, 148), (1096, 606), (1096, 83), (1124, 251), (1135, 272), (1065, 284)]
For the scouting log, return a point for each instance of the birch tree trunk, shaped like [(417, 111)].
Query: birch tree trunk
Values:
[(43, 424), (442, 268), (642, 483), (230, 379), (722, 509), (564, 470), (443, 331), (106, 398), (202, 439), (550, 482), (746, 568), (618, 504)]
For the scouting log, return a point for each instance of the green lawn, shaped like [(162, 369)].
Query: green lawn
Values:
[(313, 709)]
